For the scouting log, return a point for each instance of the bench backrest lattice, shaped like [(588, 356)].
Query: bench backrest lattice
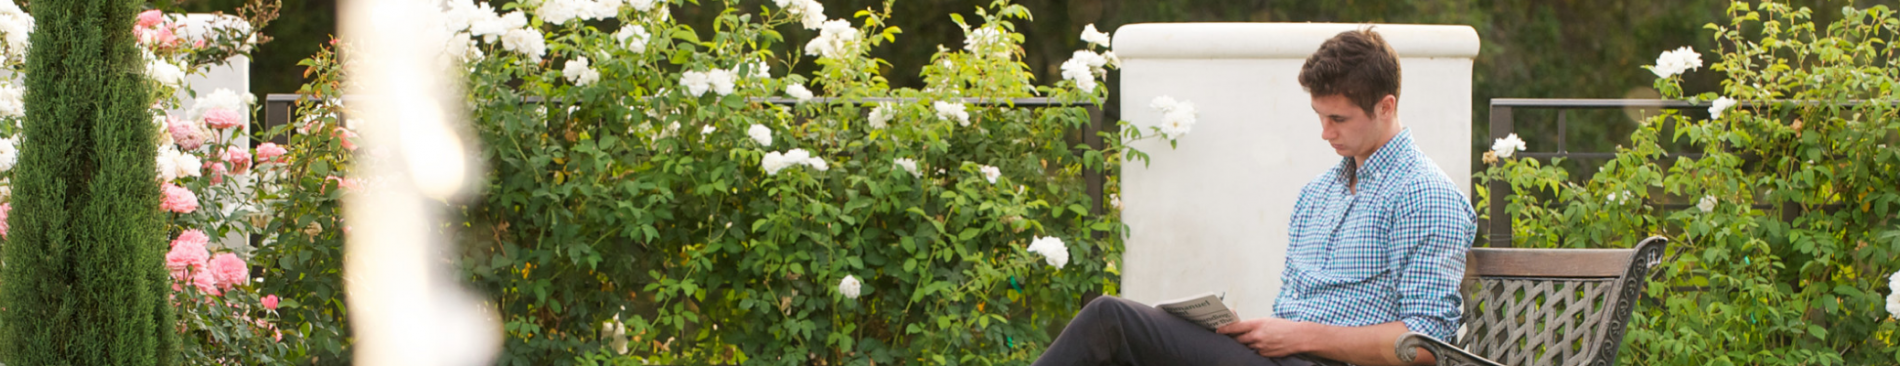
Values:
[(1559, 307)]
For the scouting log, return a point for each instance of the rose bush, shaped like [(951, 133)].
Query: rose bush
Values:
[(1784, 226), (661, 192), (203, 174)]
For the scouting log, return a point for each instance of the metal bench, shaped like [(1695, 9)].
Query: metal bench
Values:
[(1544, 306)]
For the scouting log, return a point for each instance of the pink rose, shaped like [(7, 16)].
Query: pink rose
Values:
[(151, 18), (223, 118), (239, 158), (229, 271), (193, 236), (269, 152), (205, 283), (217, 171), (187, 134), (187, 255), (346, 135), (178, 199), (5, 208), (270, 302)]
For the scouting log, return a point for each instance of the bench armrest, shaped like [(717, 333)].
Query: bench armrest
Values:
[(1445, 353)]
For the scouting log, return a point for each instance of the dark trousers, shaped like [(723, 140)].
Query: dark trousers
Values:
[(1114, 331)]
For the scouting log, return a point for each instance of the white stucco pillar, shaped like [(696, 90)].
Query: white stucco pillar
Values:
[(1212, 215)]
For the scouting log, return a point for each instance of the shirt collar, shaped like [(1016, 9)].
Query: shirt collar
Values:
[(1388, 157)]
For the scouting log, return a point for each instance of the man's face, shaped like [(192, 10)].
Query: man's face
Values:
[(1351, 131)]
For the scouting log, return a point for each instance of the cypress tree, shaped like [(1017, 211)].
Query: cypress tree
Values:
[(84, 282)]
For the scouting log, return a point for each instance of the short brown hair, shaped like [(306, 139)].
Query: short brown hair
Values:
[(1357, 64)]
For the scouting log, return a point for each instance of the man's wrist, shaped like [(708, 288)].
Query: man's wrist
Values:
[(1310, 338)]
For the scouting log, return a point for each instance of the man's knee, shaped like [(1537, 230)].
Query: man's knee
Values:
[(1107, 305)]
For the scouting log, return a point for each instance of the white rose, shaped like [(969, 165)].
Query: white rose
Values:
[(9, 153), (818, 163), (850, 286), (1052, 250), (12, 101), (798, 91), (1177, 117), (835, 38), (526, 41), (1090, 35), (772, 162), (797, 156), (633, 37), (761, 134), (881, 116), (722, 80), (1507, 146), (952, 112), (578, 72), (696, 82), (991, 173), (1719, 105), (1707, 204), (909, 166), (1677, 61)]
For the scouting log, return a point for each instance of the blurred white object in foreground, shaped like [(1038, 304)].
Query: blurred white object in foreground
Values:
[(405, 306)]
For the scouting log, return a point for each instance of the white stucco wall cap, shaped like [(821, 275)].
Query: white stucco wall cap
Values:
[(1282, 40)]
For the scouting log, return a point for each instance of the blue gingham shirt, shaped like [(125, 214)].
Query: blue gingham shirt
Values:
[(1394, 250)]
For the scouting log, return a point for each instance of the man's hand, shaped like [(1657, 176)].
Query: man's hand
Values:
[(1271, 337)]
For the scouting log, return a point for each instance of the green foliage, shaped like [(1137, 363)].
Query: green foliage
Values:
[(632, 211), (84, 284), (1786, 221), (303, 260)]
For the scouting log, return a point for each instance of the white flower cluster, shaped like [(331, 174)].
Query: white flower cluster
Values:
[(1083, 68), (578, 72), (990, 173), (1675, 62), (614, 333), (909, 166), (9, 153), (1177, 117), (1720, 104), (1052, 250), (1893, 299), (512, 30), (1707, 204), (15, 26), (634, 37), (798, 91), (1090, 35), (881, 116), (850, 286), (986, 38), (950, 111), (761, 134), (563, 11), (773, 162), (12, 101), (810, 13), (836, 39), (1507, 146), (174, 164), (718, 80)]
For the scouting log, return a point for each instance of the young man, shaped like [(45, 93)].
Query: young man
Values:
[(1377, 246)]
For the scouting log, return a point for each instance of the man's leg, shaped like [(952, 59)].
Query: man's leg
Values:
[(1113, 331)]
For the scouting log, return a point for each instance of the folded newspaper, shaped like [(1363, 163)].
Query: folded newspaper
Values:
[(1205, 309)]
